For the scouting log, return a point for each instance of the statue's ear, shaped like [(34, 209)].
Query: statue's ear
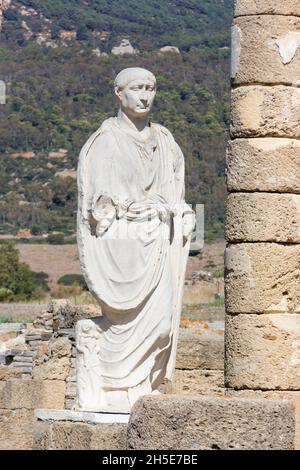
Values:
[(118, 92)]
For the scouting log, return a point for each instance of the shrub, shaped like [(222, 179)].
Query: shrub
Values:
[(70, 279), (56, 239), (6, 295), (14, 275), (41, 281)]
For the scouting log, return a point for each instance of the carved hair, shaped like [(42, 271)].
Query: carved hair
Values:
[(130, 74)]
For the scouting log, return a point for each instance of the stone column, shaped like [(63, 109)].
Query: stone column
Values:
[(262, 259)]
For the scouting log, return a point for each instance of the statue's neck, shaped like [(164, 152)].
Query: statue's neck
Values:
[(138, 126)]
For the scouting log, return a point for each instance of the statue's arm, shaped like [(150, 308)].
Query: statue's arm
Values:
[(107, 209)]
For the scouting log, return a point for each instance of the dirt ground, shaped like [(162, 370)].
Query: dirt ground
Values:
[(58, 260), (55, 260)]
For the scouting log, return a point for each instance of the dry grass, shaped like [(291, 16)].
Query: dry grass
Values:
[(58, 260)]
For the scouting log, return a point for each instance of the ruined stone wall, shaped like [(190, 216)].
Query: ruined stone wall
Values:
[(262, 260)]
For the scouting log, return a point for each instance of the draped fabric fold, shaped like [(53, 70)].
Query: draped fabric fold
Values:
[(136, 267)]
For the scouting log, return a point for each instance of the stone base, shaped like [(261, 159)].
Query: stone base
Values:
[(206, 423), (16, 429), (76, 430), (30, 394)]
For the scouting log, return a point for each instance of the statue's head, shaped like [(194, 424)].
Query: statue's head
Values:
[(135, 89)]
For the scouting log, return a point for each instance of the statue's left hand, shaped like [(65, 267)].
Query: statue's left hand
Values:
[(189, 221)]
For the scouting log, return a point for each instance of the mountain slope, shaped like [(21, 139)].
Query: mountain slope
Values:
[(184, 23), (57, 96)]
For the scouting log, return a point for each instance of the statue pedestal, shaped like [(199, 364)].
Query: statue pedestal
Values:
[(80, 430)]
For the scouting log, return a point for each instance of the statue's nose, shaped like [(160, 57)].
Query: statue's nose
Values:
[(144, 97)]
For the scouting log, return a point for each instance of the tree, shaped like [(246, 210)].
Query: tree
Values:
[(82, 33), (15, 276)]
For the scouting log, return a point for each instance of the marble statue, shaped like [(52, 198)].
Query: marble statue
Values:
[(134, 231)]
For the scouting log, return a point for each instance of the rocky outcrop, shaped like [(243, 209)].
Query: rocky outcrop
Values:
[(125, 47)]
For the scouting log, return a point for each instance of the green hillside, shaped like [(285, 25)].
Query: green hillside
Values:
[(184, 23), (58, 96)]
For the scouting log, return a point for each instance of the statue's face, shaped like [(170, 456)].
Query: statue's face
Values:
[(137, 97)]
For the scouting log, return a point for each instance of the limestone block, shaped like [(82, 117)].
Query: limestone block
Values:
[(263, 164), (262, 352), (263, 217), (197, 382), (16, 429), (31, 394), (195, 351), (262, 278), (79, 436), (259, 111), (53, 369), (265, 49), (205, 423), (256, 7), (294, 397), (9, 372), (55, 365)]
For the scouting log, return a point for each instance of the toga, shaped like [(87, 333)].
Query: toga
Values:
[(136, 268)]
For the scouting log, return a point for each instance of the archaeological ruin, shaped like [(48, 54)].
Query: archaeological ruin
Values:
[(247, 398)]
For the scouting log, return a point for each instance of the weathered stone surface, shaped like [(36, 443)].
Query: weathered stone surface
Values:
[(9, 372), (7, 335), (294, 397), (31, 394), (199, 352), (256, 7), (23, 359), (63, 314), (55, 365), (16, 429), (125, 47), (263, 352), (259, 111), (263, 217), (263, 164), (173, 422), (197, 382), (53, 369), (22, 352), (23, 365), (266, 49), (262, 278), (81, 416), (79, 436)]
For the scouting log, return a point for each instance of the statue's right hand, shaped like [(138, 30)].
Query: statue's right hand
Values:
[(104, 213)]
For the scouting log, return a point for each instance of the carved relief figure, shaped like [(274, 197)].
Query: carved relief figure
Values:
[(134, 231)]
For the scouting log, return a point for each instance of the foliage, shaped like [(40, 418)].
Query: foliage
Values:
[(70, 279), (41, 281), (58, 97), (67, 292), (14, 275), (17, 281), (182, 23), (6, 295), (218, 273), (55, 239)]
